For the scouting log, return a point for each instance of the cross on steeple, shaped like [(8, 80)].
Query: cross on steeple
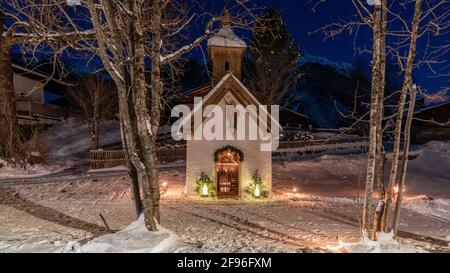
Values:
[(226, 50)]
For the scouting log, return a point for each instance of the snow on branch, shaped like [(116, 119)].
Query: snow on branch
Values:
[(172, 56)]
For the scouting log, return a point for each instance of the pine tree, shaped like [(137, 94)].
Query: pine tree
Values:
[(273, 59)]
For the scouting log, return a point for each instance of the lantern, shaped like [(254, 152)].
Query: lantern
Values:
[(205, 190), (257, 191)]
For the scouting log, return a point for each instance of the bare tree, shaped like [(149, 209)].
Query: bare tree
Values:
[(405, 155), (10, 145), (374, 120), (404, 33), (35, 27), (407, 84), (430, 20), (129, 37), (94, 100)]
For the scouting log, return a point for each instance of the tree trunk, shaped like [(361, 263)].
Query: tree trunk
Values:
[(10, 143), (407, 83), (380, 153), (156, 94), (406, 137), (381, 87), (145, 131), (368, 207), (380, 174), (125, 88), (136, 170), (94, 135), (132, 174)]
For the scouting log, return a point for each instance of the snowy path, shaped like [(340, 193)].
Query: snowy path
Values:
[(302, 225), (277, 225), (43, 214), (76, 173)]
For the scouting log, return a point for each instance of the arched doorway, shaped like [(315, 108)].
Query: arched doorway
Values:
[(227, 173)]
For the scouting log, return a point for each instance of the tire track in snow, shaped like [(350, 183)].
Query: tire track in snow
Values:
[(243, 225), (437, 244)]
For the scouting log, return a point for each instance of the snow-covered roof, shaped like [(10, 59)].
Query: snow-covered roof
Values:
[(431, 106), (216, 89), (38, 74), (226, 38)]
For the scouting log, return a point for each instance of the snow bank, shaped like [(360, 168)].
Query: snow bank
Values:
[(437, 208), (385, 243), (134, 238), (8, 171), (70, 139)]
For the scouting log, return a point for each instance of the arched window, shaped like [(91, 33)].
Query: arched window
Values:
[(227, 66)]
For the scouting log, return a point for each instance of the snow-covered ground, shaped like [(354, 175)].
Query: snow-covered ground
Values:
[(385, 243), (69, 144), (344, 175), (322, 215), (8, 171), (134, 238), (70, 139)]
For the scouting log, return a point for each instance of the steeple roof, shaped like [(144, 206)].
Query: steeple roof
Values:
[(226, 37)]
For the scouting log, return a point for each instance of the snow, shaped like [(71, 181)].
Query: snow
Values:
[(69, 143), (73, 2), (326, 206), (385, 243), (342, 67), (226, 38), (438, 208), (70, 139), (432, 105), (7, 171), (134, 238)]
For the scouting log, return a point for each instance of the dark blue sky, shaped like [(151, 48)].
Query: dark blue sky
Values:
[(302, 21)]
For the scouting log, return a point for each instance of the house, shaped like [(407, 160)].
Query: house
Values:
[(32, 105), (229, 164), (431, 122)]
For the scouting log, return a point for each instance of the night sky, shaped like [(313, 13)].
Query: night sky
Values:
[(302, 21)]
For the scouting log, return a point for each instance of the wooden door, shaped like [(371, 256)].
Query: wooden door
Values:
[(227, 179)]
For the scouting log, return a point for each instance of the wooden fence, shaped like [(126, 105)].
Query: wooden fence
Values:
[(112, 158), (316, 142), (107, 158)]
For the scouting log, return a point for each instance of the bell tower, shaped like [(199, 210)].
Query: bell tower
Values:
[(225, 50)]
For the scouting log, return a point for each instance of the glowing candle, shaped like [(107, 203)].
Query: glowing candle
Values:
[(205, 190), (257, 192)]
